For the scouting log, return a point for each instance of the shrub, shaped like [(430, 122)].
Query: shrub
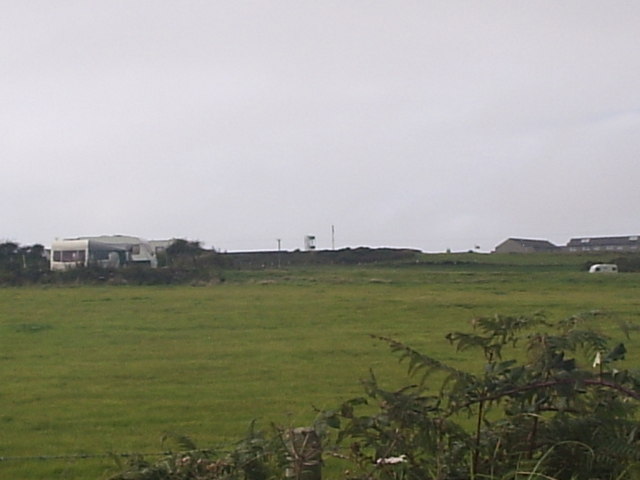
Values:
[(628, 263), (22, 265), (536, 409), (259, 456)]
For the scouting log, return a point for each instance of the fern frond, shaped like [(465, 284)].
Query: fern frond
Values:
[(627, 327), (420, 363), (183, 442)]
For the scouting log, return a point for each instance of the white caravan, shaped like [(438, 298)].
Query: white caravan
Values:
[(603, 268), (110, 251)]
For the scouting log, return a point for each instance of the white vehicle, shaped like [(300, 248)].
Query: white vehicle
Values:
[(603, 268)]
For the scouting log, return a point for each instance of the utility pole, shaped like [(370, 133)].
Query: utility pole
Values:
[(279, 244), (333, 237)]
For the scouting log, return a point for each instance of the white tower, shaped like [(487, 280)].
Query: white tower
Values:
[(309, 242)]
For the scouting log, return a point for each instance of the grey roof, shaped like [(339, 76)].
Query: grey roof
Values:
[(604, 241), (532, 243), (112, 239)]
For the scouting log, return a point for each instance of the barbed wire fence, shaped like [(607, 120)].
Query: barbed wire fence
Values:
[(87, 456), (303, 446)]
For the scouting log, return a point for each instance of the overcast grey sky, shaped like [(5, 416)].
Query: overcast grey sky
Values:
[(425, 124)]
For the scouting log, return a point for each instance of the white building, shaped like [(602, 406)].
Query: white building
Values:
[(104, 251)]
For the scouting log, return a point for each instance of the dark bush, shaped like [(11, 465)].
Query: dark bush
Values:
[(628, 263), (22, 265)]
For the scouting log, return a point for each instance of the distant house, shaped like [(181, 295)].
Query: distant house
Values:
[(525, 245), (104, 251), (629, 243)]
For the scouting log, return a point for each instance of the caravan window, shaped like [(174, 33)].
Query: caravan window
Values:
[(100, 255), (71, 255)]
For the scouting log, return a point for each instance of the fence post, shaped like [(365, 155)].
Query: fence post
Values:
[(304, 454)]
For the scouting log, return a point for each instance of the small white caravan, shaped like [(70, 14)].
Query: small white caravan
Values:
[(603, 268)]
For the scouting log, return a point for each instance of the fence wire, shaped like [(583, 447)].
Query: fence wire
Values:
[(86, 456)]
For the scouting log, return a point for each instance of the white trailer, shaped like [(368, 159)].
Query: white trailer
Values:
[(604, 268), (109, 251)]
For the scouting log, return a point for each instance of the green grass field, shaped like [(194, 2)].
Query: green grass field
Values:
[(91, 370)]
